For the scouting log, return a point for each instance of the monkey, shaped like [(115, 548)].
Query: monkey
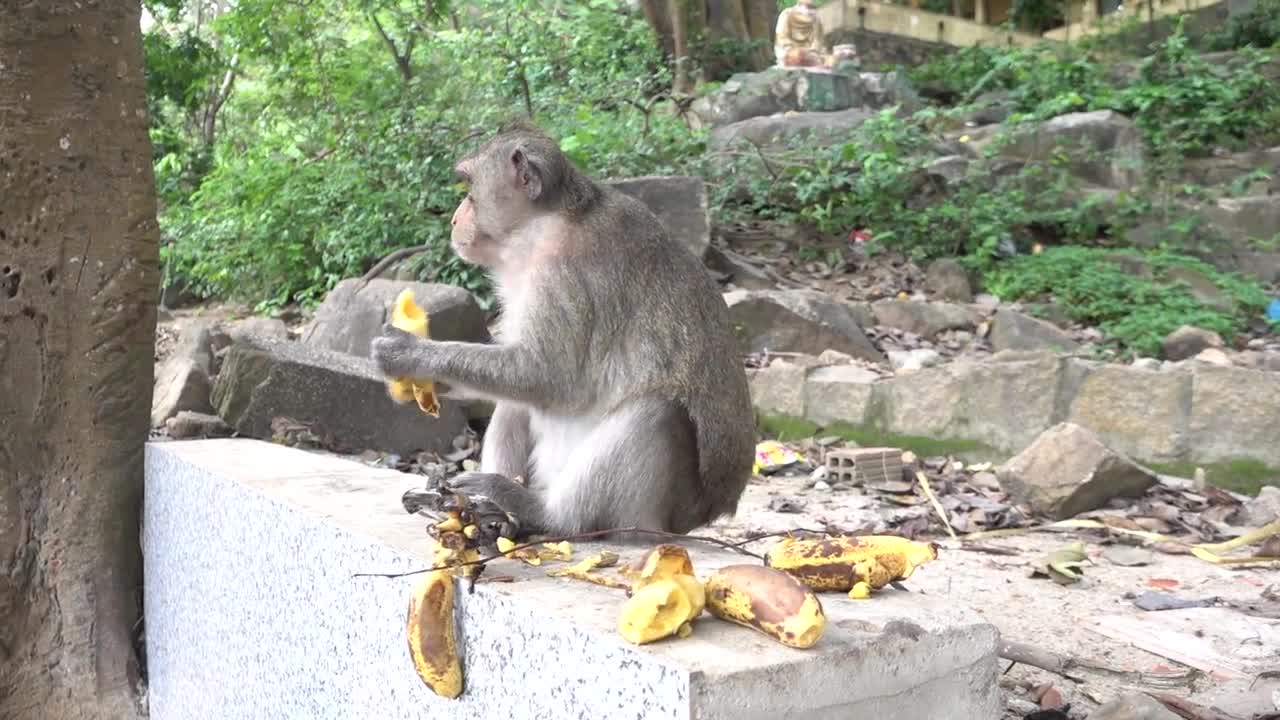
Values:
[(619, 392)]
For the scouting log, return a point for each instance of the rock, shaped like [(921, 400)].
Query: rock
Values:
[(800, 321), (990, 108), (1145, 363), (948, 279), (269, 328), (1134, 706), (679, 201), (1012, 330), (778, 388), (342, 399), (838, 393), (1263, 509), (189, 425), (925, 319), (1188, 340), (1245, 219), (739, 270), (1067, 471), (1234, 414), (776, 132), (349, 319), (775, 91), (952, 169), (182, 380), (1105, 146), (1201, 287), (1213, 356), (912, 360), (986, 301)]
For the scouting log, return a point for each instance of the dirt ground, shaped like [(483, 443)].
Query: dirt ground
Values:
[(1057, 618)]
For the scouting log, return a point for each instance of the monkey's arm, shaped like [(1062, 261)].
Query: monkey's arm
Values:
[(502, 372)]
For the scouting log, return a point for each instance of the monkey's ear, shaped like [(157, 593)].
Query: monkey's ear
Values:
[(528, 172)]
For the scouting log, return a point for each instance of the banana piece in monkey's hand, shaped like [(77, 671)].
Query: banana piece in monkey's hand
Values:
[(767, 600), (852, 564), (408, 316), (665, 599)]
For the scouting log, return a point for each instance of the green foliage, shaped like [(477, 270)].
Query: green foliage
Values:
[(1258, 26), (336, 149), (1099, 287)]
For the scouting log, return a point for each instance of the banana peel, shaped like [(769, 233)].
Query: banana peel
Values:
[(854, 564), (408, 316), (768, 600), (433, 640)]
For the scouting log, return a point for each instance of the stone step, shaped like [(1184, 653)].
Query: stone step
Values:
[(253, 610)]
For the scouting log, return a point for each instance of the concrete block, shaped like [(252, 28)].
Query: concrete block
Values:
[(679, 202), (859, 466), (253, 610)]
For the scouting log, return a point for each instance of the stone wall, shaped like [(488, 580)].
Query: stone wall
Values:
[(1192, 413)]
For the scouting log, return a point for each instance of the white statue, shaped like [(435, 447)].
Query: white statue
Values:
[(798, 37)]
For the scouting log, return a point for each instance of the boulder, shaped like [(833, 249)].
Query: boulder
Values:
[(778, 388), (182, 380), (679, 201), (342, 398), (925, 319), (1263, 509), (352, 316), (1188, 340), (778, 132), (1245, 219), (269, 328), (799, 321), (1012, 330), (1220, 170), (1134, 706), (776, 90), (948, 279), (734, 268), (1068, 471), (1105, 146), (188, 425)]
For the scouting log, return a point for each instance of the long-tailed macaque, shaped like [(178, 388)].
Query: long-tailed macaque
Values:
[(620, 394)]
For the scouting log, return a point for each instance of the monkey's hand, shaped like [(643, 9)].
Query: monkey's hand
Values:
[(511, 497), (400, 354)]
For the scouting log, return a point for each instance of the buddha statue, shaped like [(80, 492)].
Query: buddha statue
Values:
[(798, 37)]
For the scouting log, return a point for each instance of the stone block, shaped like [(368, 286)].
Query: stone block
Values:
[(778, 388), (1235, 413), (679, 201), (351, 316), (838, 393), (798, 321), (342, 398), (1141, 413), (925, 319), (1014, 331), (859, 466), (254, 609)]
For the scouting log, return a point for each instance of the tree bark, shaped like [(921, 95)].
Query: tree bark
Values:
[(78, 282), (688, 30)]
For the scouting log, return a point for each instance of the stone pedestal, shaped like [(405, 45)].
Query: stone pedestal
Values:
[(254, 610)]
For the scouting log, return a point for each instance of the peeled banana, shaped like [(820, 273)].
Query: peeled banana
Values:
[(854, 564), (768, 600), (408, 316), (433, 643), (665, 599)]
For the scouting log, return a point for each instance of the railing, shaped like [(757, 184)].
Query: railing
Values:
[(1143, 10), (878, 17)]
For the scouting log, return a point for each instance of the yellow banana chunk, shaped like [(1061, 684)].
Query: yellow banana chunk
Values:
[(408, 316), (665, 561), (433, 644), (841, 562), (767, 600), (452, 523), (655, 611)]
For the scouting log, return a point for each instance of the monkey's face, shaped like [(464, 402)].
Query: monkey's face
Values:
[(488, 221)]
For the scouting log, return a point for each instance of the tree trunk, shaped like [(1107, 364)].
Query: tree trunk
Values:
[(78, 283), (712, 39)]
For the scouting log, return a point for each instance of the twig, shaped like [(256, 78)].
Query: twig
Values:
[(1039, 658), (1190, 710), (933, 500), (572, 538), (387, 261)]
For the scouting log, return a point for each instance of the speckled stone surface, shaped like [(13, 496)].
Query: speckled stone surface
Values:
[(252, 611)]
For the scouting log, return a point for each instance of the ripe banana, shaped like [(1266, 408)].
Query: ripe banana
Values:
[(665, 599), (410, 317), (433, 644), (848, 563), (767, 600)]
